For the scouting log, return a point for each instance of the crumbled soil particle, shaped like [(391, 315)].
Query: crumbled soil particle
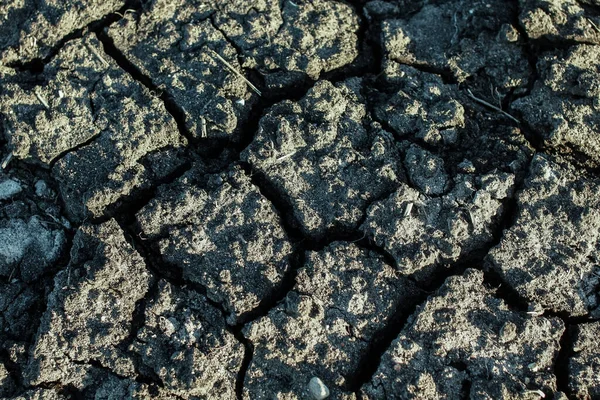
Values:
[(465, 343), (551, 255), (324, 157), (560, 21), (584, 364), (223, 234), (30, 29), (90, 309), (185, 343), (563, 108), (342, 298)]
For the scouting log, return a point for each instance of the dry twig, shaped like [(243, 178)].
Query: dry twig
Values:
[(490, 105)]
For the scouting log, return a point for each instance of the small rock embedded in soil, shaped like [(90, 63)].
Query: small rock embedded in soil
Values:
[(584, 363), (9, 188), (317, 389), (551, 255), (28, 247), (343, 297), (451, 348), (223, 234), (324, 158)]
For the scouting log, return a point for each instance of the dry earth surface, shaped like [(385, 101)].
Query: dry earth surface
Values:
[(295, 199)]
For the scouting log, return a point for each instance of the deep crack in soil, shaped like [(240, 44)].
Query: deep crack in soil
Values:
[(322, 232)]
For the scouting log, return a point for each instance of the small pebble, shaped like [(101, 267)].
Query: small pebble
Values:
[(42, 189), (317, 389), (9, 188)]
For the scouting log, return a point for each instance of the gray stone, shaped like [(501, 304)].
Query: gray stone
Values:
[(9, 188), (29, 247), (451, 347), (317, 389)]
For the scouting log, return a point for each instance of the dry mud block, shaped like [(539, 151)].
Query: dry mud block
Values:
[(459, 177), (423, 233), (324, 158), (288, 42), (559, 21), (222, 234), (40, 394), (465, 343), (109, 331), (178, 45), (584, 364), (184, 343), (32, 240), (342, 298), (104, 134), (31, 29), (419, 107), (564, 106), (550, 256), (90, 311), (474, 42)]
